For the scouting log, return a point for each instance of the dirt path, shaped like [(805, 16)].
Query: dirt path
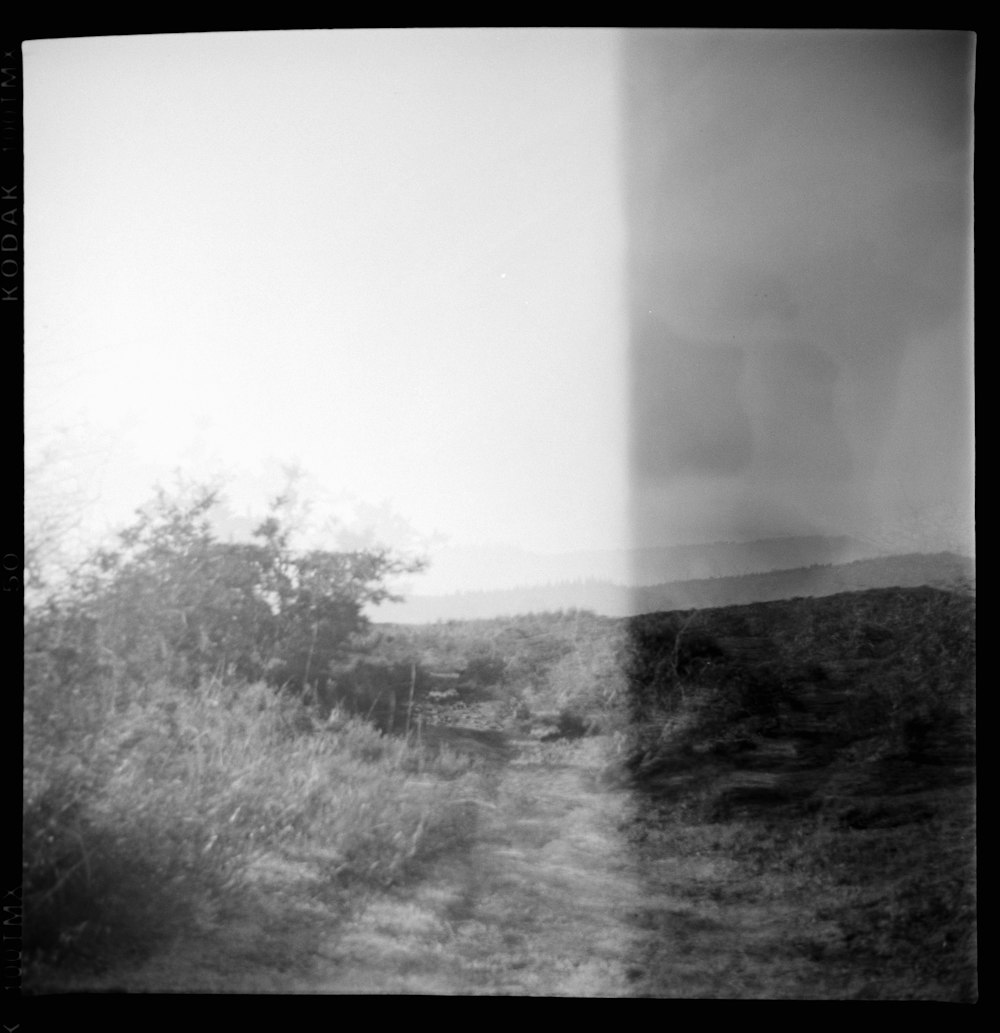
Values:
[(538, 905), (560, 886)]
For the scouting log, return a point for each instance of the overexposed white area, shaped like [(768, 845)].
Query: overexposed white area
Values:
[(517, 299), (392, 258)]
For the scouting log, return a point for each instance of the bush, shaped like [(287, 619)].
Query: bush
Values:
[(170, 740), (484, 671), (377, 688), (171, 603)]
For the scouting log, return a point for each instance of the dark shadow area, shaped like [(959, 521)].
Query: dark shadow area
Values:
[(805, 771)]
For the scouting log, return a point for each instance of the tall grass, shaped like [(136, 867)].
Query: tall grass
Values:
[(145, 806)]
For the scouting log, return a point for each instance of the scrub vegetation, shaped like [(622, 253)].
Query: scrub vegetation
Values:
[(183, 736), (822, 753), (233, 781)]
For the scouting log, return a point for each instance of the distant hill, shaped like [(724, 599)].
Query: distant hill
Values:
[(615, 600), (938, 570), (509, 568), (733, 559)]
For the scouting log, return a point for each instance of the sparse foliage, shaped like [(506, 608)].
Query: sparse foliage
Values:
[(163, 748), (171, 602)]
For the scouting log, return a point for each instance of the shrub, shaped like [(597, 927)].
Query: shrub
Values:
[(171, 603), (484, 671), (378, 688), (170, 742)]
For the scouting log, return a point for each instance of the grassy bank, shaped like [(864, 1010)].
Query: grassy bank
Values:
[(184, 736), (150, 810)]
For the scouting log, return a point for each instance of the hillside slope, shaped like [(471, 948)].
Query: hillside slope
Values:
[(616, 600), (829, 744)]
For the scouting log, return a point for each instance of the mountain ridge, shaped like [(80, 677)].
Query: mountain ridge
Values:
[(943, 569), (507, 567)]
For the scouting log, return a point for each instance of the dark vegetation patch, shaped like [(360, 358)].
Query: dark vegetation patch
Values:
[(831, 741)]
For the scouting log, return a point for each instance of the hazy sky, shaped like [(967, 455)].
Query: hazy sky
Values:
[(555, 289), (393, 257)]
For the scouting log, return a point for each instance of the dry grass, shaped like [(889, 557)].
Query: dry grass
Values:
[(147, 809)]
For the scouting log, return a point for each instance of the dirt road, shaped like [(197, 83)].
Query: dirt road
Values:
[(542, 902), (557, 888)]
